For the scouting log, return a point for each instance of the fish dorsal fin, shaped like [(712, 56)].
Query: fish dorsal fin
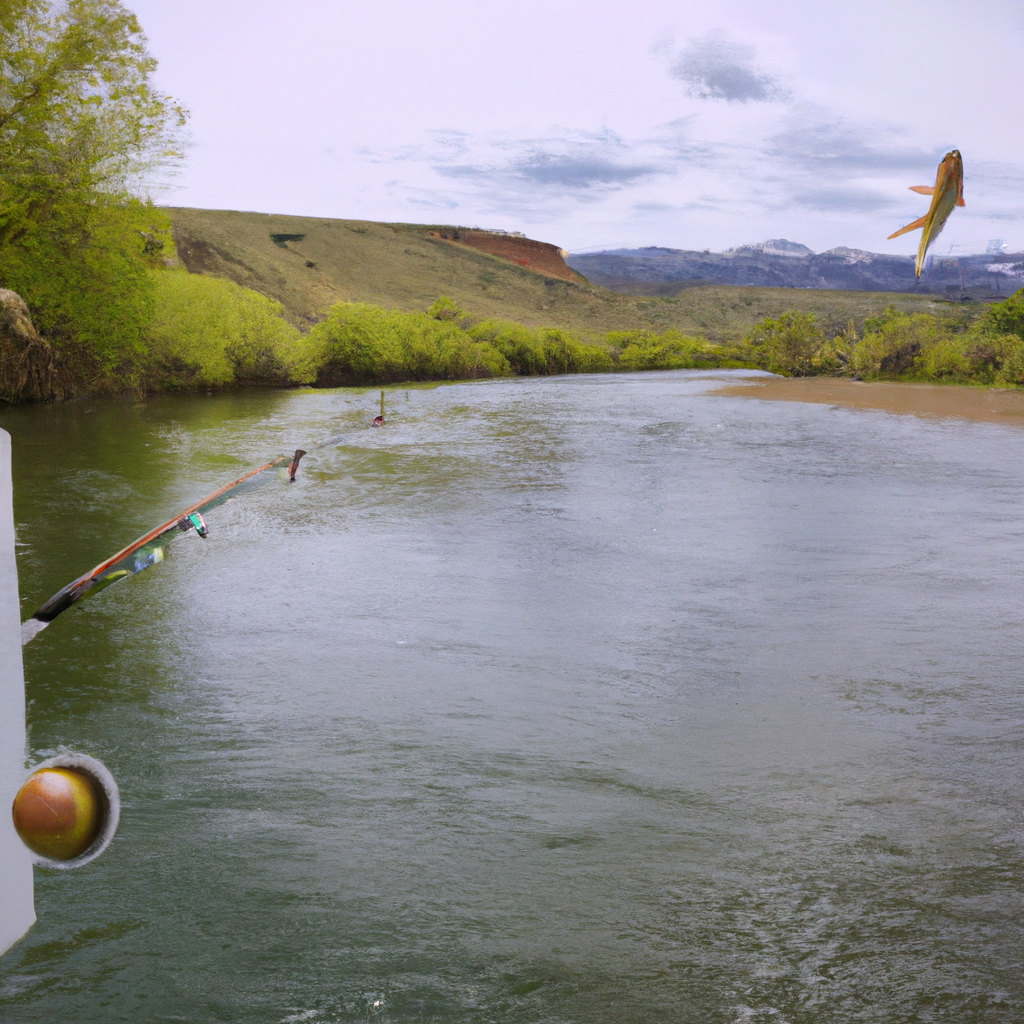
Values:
[(920, 222), (925, 190)]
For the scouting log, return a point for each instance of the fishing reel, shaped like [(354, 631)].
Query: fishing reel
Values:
[(66, 812)]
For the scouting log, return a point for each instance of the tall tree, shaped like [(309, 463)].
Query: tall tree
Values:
[(81, 126), (80, 118)]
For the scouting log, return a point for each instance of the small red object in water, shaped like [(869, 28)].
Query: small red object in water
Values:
[(378, 421)]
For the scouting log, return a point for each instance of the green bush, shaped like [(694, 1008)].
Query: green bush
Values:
[(445, 308), (91, 300), (645, 350), (208, 332), (541, 351), (520, 346), (793, 344), (564, 353), (893, 343), (832, 357), (362, 344), (973, 358), (1006, 317), (922, 347), (1010, 353)]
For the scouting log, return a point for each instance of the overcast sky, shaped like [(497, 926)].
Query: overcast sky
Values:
[(601, 124)]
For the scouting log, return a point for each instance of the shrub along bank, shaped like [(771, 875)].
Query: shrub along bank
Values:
[(214, 334), (210, 333), (203, 333), (987, 349), (361, 344), (194, 332)]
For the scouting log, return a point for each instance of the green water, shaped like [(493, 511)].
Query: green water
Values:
[(585, 699)]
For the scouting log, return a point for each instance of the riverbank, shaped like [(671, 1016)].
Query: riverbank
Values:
[(989, 405), (210, 334)]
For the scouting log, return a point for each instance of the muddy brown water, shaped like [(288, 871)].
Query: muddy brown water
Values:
[(989, 405), (600, 699)]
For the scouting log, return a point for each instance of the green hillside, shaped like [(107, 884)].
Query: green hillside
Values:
[(400, 266)]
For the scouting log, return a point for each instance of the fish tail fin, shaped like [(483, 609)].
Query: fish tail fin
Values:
[(913, 226), (929, 235)]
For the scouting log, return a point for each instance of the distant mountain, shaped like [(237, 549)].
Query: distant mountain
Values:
[(779, 263)]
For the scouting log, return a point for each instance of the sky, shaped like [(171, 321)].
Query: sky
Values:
[(597, 124)]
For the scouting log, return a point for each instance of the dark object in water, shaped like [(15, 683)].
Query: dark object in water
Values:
[(149, 548), (378, 421)]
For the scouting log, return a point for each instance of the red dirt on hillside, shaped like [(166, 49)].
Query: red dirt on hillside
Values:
[(542, 257)]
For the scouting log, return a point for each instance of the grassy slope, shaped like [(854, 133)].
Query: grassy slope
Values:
[(401, 266)]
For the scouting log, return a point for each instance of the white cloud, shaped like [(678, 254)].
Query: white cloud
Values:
[(756, 122), (716, 67)]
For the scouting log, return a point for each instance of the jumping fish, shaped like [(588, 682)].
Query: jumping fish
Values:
[(947, 192)]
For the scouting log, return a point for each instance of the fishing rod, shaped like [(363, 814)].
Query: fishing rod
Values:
[(148, 549)]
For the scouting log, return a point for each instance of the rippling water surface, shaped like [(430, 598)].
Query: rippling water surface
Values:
[(586, 699)]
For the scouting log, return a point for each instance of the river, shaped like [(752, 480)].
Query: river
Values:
[(585, 699)]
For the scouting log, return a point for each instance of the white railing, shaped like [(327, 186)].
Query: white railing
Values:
[(17, 909)]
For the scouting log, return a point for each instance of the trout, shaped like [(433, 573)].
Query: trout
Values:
[(947, 192)]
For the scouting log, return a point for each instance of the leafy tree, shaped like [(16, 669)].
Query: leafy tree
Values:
[(81, 126), (80, 118), (86, 285)]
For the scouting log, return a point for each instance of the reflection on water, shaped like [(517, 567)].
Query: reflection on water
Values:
[(594, 699)]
